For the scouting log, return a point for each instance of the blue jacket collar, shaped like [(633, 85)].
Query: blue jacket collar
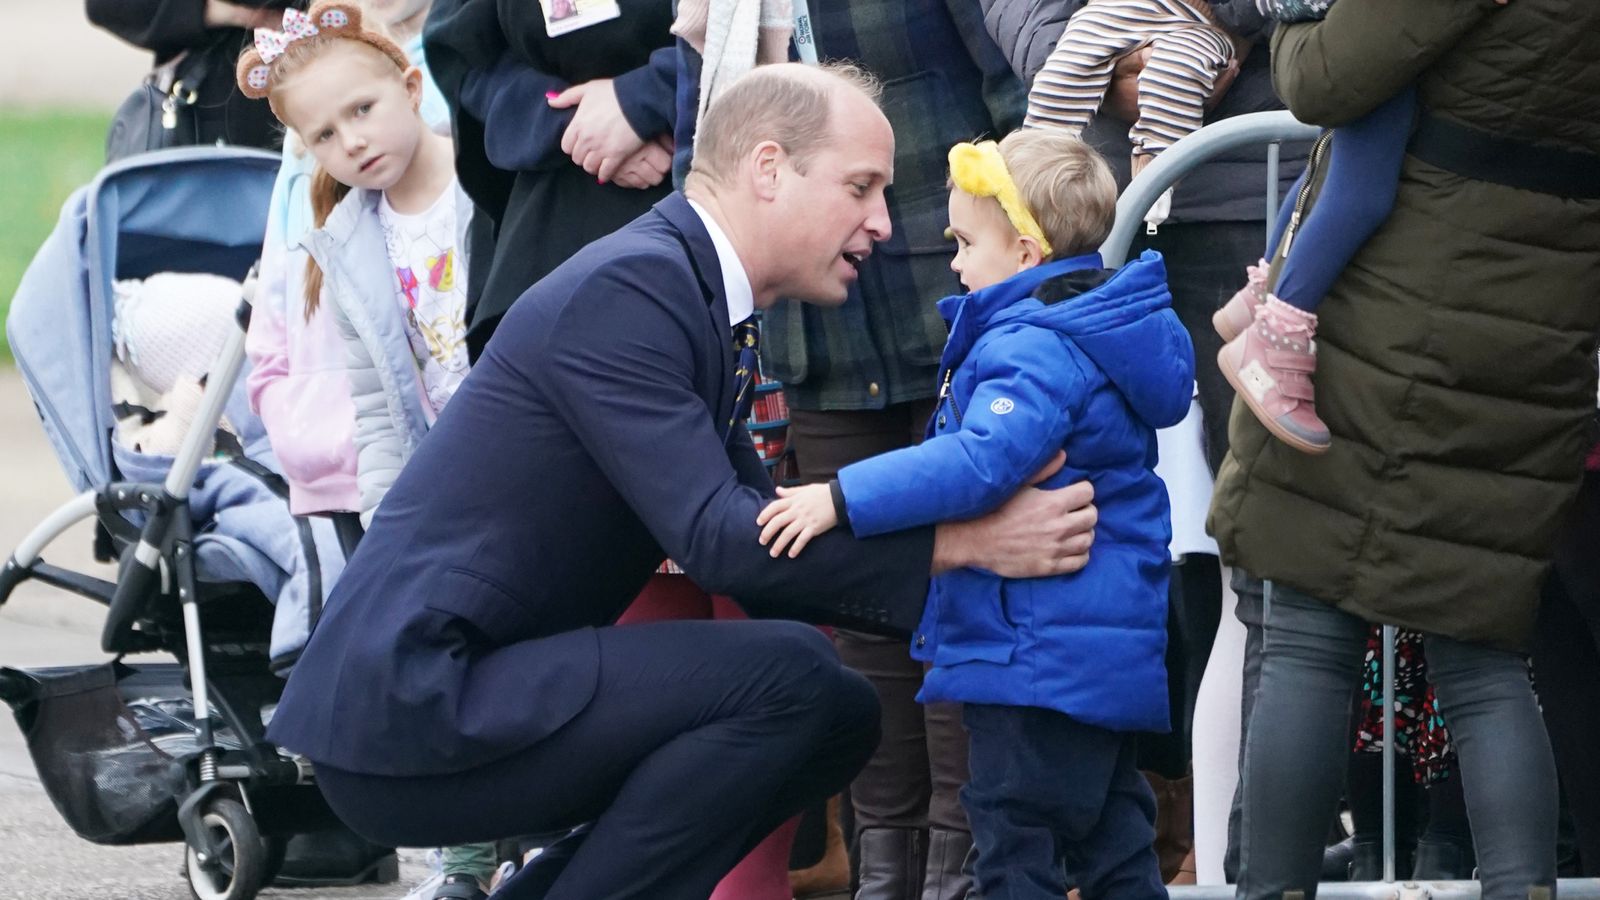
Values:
[(969, 314), (982, 304)]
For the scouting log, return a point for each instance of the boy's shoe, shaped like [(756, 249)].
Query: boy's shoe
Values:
[(1240, 310), (460, 886), (1270, 365)]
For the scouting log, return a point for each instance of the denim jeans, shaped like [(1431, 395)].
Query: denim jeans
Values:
[(1297, 748), (1047, 788)]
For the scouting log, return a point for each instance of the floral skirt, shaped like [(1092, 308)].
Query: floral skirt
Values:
[(1421, 733)]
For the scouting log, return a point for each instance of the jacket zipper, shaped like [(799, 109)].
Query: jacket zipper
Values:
[(944, 394), (1317, 151)]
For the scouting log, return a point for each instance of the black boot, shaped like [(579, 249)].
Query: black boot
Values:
[(1336, 860), (891, 864), (947, 851), (1366, 864), (1442, 860)]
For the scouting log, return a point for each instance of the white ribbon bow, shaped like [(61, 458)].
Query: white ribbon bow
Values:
[(271, 44)]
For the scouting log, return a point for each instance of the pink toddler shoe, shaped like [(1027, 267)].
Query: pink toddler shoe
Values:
[(1271, 365), (1237, 314)]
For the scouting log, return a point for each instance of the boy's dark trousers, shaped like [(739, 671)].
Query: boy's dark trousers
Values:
[(1047, 789)]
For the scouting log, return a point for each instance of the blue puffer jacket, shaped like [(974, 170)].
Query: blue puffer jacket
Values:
[(1064, 355)]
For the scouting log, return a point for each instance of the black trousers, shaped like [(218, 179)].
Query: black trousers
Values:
[(1566, 660), (915, 777), (701, 738)]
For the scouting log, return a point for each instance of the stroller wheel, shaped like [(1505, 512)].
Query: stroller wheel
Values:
[(236, 873)]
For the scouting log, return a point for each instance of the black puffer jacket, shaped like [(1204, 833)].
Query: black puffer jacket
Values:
[(170, 27)]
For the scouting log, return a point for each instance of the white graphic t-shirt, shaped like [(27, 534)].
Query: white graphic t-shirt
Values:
[(432, 291)]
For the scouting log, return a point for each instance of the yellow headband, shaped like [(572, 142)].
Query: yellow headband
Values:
[(980, 170)]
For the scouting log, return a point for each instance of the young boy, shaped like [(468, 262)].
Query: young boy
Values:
[(1049, 352)]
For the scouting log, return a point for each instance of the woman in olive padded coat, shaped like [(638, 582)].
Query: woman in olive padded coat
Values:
[(1461, 340)]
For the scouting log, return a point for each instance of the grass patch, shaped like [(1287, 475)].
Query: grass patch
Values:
[(44, 157)]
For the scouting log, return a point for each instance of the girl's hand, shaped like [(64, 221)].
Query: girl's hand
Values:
[(798, 515), (648, 167), (222, 14), (599, 138)]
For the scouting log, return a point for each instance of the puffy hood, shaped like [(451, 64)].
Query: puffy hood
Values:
[(1114, 317)]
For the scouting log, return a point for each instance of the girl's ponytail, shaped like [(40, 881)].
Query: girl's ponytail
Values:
[(325, 195)]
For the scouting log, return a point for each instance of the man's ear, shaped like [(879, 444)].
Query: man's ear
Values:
[(767, 161), (1029, 253)]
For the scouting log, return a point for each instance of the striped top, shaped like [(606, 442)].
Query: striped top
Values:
[(1189, 49)]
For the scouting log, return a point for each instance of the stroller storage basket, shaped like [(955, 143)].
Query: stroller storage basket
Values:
[(110, 743)]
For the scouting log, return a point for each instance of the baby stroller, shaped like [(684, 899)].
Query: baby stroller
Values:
[(130, 751)]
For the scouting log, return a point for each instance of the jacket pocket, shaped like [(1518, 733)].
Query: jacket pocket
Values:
[(488, 612), (973, 623)]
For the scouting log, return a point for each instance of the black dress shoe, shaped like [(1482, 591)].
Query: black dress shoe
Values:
[(337, 858)]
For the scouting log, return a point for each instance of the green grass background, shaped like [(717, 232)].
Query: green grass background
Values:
[(44, 156)]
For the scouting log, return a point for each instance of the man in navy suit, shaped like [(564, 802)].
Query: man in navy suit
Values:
[(465, 683)]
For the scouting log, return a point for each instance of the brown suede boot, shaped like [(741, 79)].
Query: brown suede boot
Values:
[(831, 874), (1174, 842)]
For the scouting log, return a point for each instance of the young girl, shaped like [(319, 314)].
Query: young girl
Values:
[(297, 379), (1049, 352), (384, 285), (389, 255), (1271, 356)]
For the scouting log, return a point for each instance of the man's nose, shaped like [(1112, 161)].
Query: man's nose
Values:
[(878, 224)]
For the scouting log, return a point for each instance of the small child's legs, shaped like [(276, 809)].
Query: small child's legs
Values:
[(1363, 176), (1047, 789)]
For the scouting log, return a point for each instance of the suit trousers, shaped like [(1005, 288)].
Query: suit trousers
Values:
[(700, 740), (914, 778)]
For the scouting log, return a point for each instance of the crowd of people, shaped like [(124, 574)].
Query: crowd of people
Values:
[(748, 467)]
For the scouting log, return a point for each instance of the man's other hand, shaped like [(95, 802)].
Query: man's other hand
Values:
[(1036, 533)]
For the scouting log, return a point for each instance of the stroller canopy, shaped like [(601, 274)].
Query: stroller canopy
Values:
[(194, 209)]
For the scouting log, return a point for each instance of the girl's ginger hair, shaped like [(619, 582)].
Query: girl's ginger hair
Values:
[(335, 20)]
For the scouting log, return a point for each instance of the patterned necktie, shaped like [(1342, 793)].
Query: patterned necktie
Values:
[(746, 341)]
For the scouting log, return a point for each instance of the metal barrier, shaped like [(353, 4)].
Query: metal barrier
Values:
[(1188, 154)]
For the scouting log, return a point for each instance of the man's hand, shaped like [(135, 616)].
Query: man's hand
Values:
[(647, 167), (1034, 534), (1122, 98), (599, 138)]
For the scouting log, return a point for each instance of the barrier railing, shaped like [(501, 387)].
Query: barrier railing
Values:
[(1273, 129)]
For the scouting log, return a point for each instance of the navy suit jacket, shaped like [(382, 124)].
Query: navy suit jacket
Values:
[(589, 442)]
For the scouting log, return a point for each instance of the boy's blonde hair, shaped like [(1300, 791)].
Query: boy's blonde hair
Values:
[(1067, 186)]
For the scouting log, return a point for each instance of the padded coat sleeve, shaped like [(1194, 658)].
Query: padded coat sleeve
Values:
[(1339, 69)]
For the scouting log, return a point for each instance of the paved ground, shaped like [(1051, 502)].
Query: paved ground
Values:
[(40, 859)]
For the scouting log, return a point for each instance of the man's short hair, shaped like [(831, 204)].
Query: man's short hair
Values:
[(774, 103), (1067, 186)]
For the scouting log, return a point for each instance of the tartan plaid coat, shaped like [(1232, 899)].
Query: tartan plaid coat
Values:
[(945, 81)]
